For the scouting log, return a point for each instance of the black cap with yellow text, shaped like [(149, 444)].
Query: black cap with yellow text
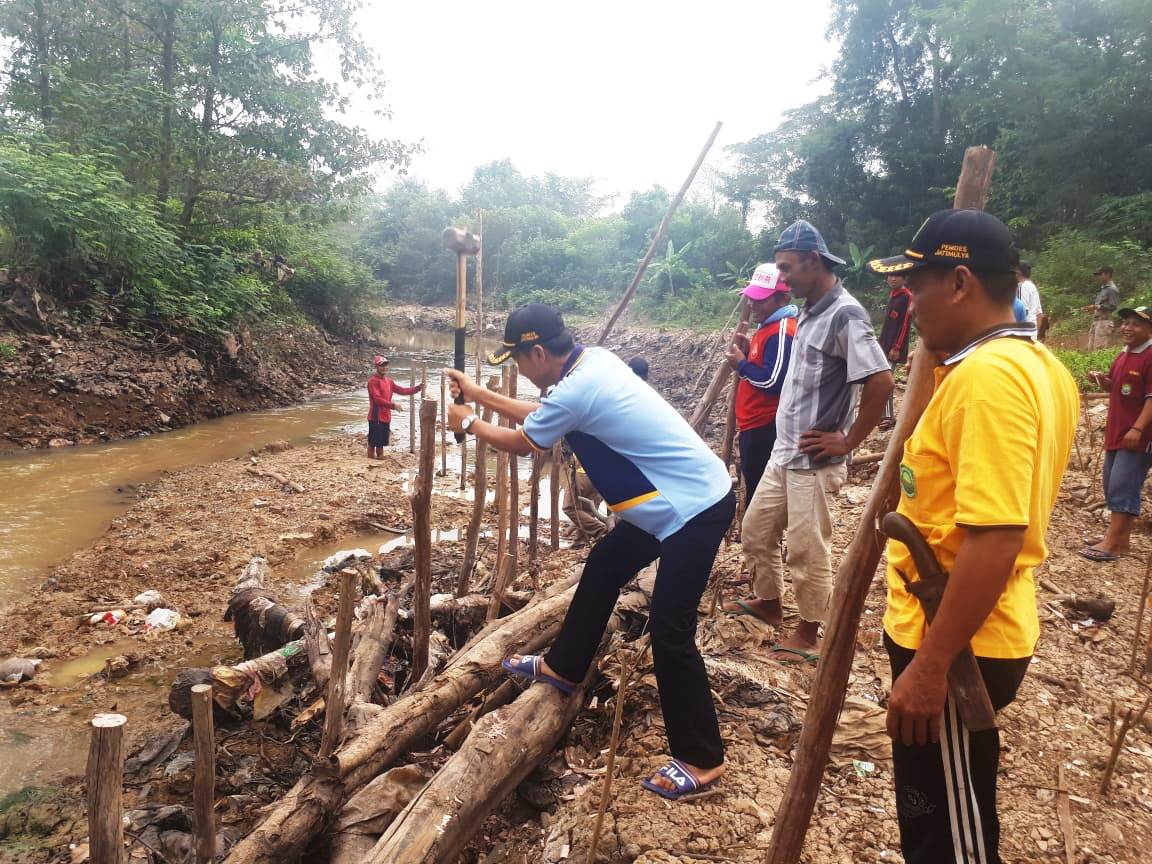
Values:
[(1141, 312), (525, 327), (951, 238)]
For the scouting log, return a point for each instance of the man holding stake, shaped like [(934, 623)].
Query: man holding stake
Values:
[(835, 350), (674, 501), (984, 517)]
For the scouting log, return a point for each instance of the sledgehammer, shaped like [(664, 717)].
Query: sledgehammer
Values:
[(463, 243), (965, 685)]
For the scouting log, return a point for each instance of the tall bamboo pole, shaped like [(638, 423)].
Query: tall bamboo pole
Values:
[(854, 578)]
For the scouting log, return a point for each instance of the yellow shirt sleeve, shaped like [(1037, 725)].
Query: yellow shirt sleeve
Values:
[(993, 442)]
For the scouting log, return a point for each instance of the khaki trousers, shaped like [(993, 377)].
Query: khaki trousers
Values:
[(796, 500), (1099, 334)]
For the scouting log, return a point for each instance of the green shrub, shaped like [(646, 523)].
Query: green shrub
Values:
[(1063, 270), (1080, 363), (8, 352)]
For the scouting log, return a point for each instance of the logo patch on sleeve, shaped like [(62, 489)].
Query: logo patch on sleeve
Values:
[(907, 481)]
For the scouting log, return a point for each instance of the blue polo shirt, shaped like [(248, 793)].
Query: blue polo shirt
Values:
[(640, 454)]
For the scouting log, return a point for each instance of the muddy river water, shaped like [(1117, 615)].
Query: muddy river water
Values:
[(56, 502)]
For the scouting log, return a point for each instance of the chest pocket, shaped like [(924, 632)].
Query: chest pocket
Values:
[(927, 493)]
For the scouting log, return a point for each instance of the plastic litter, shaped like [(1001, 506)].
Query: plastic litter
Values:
[(161, 619), (151, 598), (863, 769), (110, 618), (338, 559)]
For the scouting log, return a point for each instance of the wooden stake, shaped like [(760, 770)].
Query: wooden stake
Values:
[(480, 323), (501, 490), (513, 493), (699, 418), (730, 421), (421, 499), (203, 776), (105, 777), (1140, 616), (412, 410), (554, 497), (503, 570), (534, 516), (463, 464), (336, 701), (476, 524), (443, 428), (1064, 812), (1130, 718), (854, 578), (656, 240)]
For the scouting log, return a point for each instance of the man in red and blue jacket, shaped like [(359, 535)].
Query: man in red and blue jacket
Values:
[(894, 334), (762, 364)]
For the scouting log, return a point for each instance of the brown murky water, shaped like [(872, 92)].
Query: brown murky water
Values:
[(59, 501)]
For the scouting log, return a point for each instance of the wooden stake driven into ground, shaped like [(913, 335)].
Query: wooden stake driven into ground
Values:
[(699, 418), (443, 427), (554, 497), (730, 422), (336, 701), (501, 492), (513, 547), (480, 297), (203, 776), (673, 205), (854, 577), (479, 501), (412, 410), (104, 779), (534, 515), (422, 539)]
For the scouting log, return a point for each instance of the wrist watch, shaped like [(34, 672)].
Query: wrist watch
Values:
[(466, 423)]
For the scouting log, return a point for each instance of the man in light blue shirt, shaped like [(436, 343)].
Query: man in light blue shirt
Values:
[(673, 499)]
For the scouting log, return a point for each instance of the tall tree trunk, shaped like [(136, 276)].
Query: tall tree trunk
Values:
[(167, 86), (40, 33), (204, 148)]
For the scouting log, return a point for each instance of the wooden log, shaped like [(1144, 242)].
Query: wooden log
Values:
[(373, 641), (310, 805), (554, 498), (412, 409), (421, 499), (502, 695), (203, 776), (504, 571), (502, 750), (291, 485), (657, 238), (104, 778), (336, 700), (854, 578), (479, 502)]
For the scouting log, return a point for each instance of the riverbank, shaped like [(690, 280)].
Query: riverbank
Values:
[(76, 385)]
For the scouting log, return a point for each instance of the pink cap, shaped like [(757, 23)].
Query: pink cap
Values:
[(379, 360), (764, 283)]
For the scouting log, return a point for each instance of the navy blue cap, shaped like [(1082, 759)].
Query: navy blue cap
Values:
[(951, 238), (802, 236)]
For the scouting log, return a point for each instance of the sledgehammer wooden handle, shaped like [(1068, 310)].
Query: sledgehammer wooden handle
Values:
[(965, 684)]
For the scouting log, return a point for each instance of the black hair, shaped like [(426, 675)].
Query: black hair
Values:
[(1000, 287), (1025, 269), (560, 344), (640, 366)]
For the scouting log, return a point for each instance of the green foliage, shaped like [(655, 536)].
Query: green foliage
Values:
[(8, 352), (1080, 363), (1063, 270)]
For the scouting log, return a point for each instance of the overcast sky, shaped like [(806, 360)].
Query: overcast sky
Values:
[(625, 91)]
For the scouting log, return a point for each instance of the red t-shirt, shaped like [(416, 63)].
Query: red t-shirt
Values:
[(1131, 375), (380, 392)]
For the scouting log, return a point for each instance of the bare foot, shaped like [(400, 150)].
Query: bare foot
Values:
[(768, 611), (703, 776)]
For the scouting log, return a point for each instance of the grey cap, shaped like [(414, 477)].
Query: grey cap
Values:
[(802, 236)]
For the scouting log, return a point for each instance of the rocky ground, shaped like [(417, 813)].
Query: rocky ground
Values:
[(189, 534)]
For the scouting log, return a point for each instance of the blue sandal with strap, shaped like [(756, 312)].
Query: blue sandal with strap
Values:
[(528, 666), (687, 786)]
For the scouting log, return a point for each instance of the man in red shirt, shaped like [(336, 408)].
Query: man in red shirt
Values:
[(381, 389), (894, 334), (762, 364), (1128, 433)]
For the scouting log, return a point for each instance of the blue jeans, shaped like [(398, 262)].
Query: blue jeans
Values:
[(1124, 476)]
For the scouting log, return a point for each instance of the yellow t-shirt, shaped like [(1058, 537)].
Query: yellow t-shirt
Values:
[(990, 450)]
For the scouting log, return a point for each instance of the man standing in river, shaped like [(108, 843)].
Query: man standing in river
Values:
[(674, 501), (381, 389)]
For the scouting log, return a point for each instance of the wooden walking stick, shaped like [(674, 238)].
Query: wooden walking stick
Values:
[(854, 577), (463, 243), (204, 776), (673, 205), (105, 779)]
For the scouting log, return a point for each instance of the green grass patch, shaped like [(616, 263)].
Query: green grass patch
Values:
[(1080, 363)]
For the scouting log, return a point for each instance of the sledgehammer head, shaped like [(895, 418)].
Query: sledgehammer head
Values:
[(460, 241)]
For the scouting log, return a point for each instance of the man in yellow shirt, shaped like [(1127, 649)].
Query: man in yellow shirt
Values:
[(979, 478)]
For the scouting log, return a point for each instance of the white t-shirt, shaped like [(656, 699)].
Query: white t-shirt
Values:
[(1030, 297)]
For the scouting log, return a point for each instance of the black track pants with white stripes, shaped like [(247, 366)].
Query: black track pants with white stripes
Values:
[(946, 792)]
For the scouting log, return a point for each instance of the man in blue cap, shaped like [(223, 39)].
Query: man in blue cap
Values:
[(835, 353)]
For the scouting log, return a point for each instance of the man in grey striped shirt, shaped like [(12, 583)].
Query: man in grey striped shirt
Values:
[(835, 353)]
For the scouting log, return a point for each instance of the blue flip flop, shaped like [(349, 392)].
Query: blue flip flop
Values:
[(528, 666), (687, 786)]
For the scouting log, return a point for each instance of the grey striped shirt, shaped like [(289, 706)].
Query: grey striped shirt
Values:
[(835, 347)]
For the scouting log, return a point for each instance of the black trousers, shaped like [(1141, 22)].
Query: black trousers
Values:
[(755, 451), (686, 560), (946, 792)]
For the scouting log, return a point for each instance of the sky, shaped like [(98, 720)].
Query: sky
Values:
[(625, 92)]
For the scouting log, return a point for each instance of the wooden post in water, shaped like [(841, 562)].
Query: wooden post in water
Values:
[(412, 410), (513, 491), (203, 776), (443, 428), (422, 540), (554, 497), (476, 524), (534, 515), (854, 578), (334, 703), (105, 778)]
